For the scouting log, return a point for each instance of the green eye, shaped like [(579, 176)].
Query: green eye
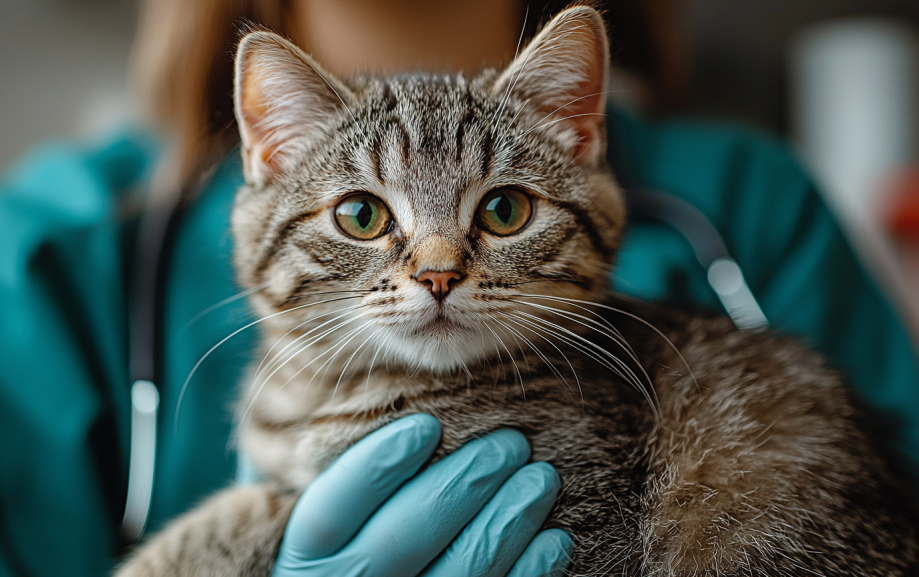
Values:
[(504, 211), (363, 216)]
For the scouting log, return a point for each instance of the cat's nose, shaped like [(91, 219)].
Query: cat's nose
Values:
[(439, 282)]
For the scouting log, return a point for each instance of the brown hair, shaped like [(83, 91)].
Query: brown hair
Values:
[(183, 63), (183, 72)]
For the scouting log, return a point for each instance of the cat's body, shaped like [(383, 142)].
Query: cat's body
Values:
[(686, 447), (754, 467)]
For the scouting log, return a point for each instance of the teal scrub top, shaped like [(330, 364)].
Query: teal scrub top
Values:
[(66, 229)]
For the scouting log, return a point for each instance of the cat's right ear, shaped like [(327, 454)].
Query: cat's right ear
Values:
[(562, 75), (282, 96)]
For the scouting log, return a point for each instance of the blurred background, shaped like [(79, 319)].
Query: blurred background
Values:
[(839, 78)]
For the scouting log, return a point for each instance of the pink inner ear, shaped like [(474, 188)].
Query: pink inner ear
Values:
[(587, 111), (256, 109), (586, 122), (562, 73)]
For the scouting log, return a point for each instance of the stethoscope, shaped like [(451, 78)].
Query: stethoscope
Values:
[(145, 340), (146, 296)]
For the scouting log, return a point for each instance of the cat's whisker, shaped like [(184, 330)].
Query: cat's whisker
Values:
[(634, 317), (597, 353), (315, 339), (223, 303), (294, 355), (466, 370), (340, 344), (557, 120), (357, 350), (570, 102), (370, 368), (598, 317), (548, 331), (610, 361), (303, 295), (259, 387), (483, 337), (509, 89), (605, 329), (228, 337), (328, 349), (498, 370), (591, 324), (510, 356), (615, 336), (534, 348), (580, 338), (545, 359), (551, 365), (280, 354), (514, 334)]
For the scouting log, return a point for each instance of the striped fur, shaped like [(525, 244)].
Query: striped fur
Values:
[(686, 447)]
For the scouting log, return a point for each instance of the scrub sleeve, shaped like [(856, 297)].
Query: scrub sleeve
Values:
[(68, 217), (64, 406), (65, 234)]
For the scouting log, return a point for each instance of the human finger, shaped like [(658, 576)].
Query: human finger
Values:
[(423, 517), (335, 506), (499, 534), (547, 555)]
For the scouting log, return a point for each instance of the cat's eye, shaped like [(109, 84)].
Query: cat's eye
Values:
[(504, 211), (363, 216)]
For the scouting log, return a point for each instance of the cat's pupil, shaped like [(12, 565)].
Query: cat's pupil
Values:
[(365, 214), (503, 209)]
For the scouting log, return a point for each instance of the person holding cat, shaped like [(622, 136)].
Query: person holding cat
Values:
[(87, 380)]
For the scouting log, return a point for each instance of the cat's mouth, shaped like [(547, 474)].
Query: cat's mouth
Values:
[(440, 326)]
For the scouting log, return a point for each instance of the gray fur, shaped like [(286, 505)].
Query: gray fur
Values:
[(689, 448)]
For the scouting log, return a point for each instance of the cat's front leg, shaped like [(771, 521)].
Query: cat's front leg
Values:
[(237, 532)]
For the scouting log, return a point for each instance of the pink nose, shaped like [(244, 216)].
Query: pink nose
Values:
[(439, 282)]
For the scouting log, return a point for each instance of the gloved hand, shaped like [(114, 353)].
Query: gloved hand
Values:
[(476, 511)]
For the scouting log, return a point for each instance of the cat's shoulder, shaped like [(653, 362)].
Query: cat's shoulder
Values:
[(702, 359)]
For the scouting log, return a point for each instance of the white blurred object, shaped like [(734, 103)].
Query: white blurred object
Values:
[(727, 280), (855, 113), (145, 402)]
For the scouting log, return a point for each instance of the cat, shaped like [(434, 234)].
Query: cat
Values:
[(438, 244)]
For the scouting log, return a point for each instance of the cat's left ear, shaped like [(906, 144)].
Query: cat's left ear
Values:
[(563, 74), (282, 97)]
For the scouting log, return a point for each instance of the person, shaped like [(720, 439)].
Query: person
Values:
[(69, 230)]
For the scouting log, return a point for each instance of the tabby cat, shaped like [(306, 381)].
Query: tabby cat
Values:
[(441, 244)]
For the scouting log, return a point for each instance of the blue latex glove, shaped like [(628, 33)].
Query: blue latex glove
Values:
[(476, 511)]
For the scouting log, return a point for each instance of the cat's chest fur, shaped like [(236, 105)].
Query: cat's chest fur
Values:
[(567, 404), (593, 429)]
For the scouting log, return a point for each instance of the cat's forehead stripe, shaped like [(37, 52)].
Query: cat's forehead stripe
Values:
[(429, 144)]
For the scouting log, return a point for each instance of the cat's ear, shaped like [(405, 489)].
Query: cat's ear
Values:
[(282, 96), (563, 73)]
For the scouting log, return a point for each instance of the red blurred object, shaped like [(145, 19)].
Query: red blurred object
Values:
[(903, 216)]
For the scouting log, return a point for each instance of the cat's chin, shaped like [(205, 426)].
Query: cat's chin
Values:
[(441, 348)]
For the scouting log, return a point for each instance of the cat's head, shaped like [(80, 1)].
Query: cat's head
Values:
[(425, 207)]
